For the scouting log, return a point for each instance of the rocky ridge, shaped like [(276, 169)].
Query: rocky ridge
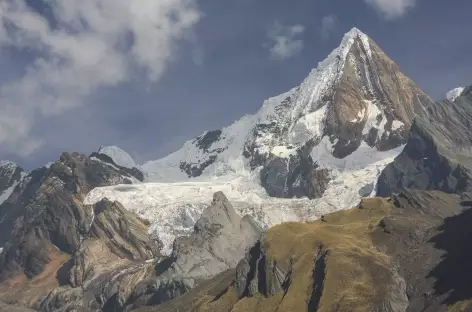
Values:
[(64, 255), (51, 238), (438, 155), (120, 160)]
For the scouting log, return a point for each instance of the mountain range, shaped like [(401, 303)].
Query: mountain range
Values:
[(350, 192)]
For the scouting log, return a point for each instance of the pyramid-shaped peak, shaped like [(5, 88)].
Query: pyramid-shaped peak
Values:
[(355, 32), (7, 163), (349, 39), (8, 166)]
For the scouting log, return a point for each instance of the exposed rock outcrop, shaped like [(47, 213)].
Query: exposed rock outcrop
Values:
[(56, 242), (130, 172), (204, 143), (50, 211), (116, 237), (108, 291), (220, 239), (296, 176), (115, 256), (438, 155), (372, 80)]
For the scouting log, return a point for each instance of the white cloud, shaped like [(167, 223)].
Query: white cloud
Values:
[(392, 9), (93, 44), (328, 25), (284, 43)]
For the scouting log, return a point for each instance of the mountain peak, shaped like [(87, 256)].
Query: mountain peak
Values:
[(10, 176), (454, 94), (119, 156), (349, 39), (7, 163), (355, 32), (356, 98)]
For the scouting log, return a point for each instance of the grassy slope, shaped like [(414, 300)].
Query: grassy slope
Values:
[(373, 253), (355, 268)]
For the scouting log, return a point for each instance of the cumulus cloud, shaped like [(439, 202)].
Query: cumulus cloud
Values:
[(84, 45), (392, 9), (328, 25), (284, 41)]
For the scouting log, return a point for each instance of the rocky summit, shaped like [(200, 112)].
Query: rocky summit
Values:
[(276, 212)]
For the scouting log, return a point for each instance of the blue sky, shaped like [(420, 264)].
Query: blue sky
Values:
[(148, 75)]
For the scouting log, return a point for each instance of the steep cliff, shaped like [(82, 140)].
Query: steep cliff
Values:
[(438, 153)]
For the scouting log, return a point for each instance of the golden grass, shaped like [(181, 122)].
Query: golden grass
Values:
[(460, 306), (24, 292), (354, 265)]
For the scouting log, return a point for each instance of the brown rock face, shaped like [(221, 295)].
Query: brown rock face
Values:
[(372, 86), (117, 238), (438, 153), (319, 179), (50, 210), (57, 242)]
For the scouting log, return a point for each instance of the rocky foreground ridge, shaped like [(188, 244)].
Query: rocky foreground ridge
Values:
[(408, 252), (63, 255)]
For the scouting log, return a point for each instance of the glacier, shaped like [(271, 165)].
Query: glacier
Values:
[(173, 207)]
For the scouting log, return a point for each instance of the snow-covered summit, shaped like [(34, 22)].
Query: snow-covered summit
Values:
[(347, 97), (10, 176), (299, 113), (454, 94), (8, 164), (119, 156)]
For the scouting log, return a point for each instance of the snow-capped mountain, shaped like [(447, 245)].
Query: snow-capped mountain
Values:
[(118, 159), (356, 97), (10, 176), (324, 142), (454, 94)]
